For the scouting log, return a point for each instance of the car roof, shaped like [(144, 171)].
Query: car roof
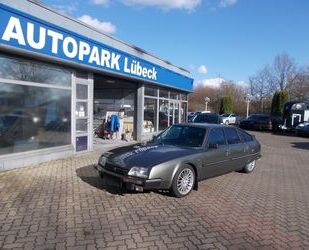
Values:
[(203, 125)]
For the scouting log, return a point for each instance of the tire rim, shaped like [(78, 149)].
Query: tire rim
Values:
[(251, 165), (185, 181)]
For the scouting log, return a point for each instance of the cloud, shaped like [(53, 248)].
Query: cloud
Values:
[(227, 3), (202, 69), (106, 27), (189, 5), (243, 84), (213, 83), (65, 9), (100, 2)]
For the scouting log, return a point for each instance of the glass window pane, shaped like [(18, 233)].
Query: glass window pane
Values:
[(216, 137), (163, 114), (245, 137), (150, 115), (81, 109), (151, 91), (183, 112), (232, 136), (174, 95), (82, 75), (81, 91), (183, 97), (183, 135), (176, 106), (81, 126), (33, 118), (32, 71), (163, 93), (171, 113)]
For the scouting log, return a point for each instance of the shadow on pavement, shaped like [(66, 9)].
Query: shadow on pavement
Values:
[(91, 176), (300, 145)]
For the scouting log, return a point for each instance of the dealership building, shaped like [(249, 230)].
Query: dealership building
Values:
[(61, 81)]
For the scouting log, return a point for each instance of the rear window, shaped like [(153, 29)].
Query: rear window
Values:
[(245, 137), (232, 136)]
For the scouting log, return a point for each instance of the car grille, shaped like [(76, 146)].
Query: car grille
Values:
[(115, 169)]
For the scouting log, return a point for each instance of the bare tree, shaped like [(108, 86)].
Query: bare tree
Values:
[(299, 87), (261, 85), (283, 71)]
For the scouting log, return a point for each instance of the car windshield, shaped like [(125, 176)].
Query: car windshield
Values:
[(186, 136), (206, 118)]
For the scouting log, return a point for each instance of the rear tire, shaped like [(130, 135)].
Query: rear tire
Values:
[(183, 182), (250, 167)]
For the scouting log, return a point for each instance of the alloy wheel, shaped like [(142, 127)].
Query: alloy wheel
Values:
[(185, 181)]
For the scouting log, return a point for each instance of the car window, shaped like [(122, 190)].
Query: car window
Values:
[(216, 136), (245, 137), (183, 136), (232, 136)]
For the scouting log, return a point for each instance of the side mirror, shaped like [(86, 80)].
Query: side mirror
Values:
[(213, 146)]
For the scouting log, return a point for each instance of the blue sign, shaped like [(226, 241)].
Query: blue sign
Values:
[(23, 31)]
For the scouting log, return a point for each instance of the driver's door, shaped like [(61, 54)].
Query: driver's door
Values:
[(216, 154)]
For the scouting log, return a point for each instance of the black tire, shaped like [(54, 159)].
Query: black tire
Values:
[(227, 123), (249, 168), (174, 189)]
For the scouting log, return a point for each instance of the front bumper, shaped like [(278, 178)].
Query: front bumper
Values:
[(129, 182)]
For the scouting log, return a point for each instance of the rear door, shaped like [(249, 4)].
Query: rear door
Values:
[(251, 148), (236, 148), (216, 155)]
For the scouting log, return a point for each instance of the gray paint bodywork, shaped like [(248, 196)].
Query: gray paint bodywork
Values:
[(163, 161)]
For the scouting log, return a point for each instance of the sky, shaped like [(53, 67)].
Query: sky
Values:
[(213, 39)]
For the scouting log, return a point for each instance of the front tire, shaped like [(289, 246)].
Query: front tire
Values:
[(183, 182), (250, 167), (227, 123)]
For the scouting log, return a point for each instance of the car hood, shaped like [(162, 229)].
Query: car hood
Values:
[(147, 155)]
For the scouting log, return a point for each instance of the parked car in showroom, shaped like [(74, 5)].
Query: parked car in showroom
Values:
[(260, 122), (179, 157), (207, 118), (302, 129), (229, 119)]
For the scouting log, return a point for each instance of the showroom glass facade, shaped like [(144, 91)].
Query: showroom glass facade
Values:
[(162, 108), (35, 105)]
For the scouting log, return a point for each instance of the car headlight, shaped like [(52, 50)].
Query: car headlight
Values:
[(102, 160), (139, 172)]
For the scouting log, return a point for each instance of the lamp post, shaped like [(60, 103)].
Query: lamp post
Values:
[(248, 98), (207, 100)]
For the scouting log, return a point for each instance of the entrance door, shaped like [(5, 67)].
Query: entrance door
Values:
[(174, 112), (83, 109)]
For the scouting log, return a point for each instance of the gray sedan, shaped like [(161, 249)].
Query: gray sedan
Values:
[(179, 157)]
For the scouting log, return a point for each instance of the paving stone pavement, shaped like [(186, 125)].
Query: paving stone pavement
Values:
[(63, 204)]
